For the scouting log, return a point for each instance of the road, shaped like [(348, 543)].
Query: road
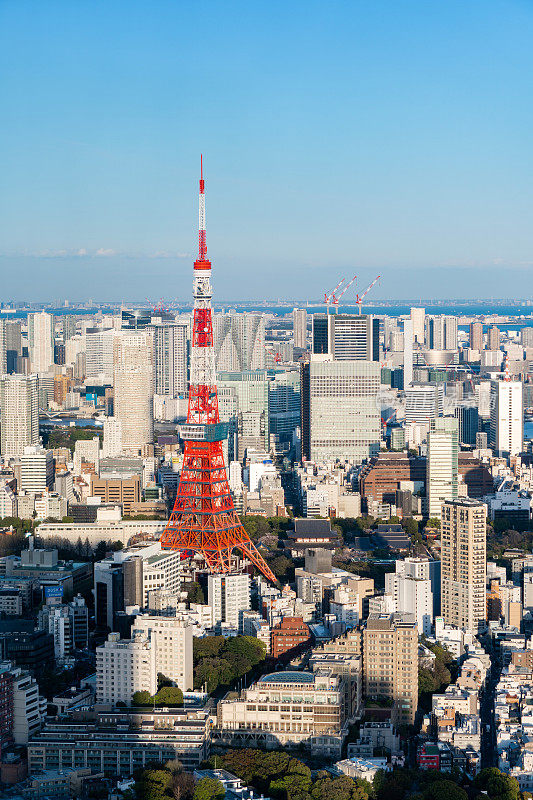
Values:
[(489, 757)]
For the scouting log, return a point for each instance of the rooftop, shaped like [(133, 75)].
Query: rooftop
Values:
[(288, 677)]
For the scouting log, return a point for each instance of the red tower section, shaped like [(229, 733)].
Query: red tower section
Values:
[(204, 520)]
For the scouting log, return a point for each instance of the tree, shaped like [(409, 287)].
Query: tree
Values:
[(182, 786), (194, 592), (444, 790), (497, 784), (142, 698), (154, 785), (208, 789), (169, 696)]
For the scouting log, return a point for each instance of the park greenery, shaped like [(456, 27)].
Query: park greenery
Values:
[(166, 697), (279, 775), (437, 677), (67, 437), (219, 661)]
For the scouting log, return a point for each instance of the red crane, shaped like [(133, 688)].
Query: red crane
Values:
[(359, 298), (204, 519), (336, 299), (328, 298)]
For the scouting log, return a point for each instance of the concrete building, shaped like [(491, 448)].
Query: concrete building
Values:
[(173, 640), (28, 711), (41, 341), (423, 402), (340, 410), (124, 667), (99, 356), (390, 663), (418, 318), (19, 419), (476, 336), (442, 463), (289, 636), (493, 338), (228, 597), (287, 709), (36, 470), (441, 332), (410, 586), (108, 745), (345, 337), (123, 491), (408, 338), (463, 556), (299, 327), (506, 417), (112, 444), (239, 341), (171, 358), (134, 390)]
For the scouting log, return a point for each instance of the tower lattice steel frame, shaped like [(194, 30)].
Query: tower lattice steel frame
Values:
[(204, 520)]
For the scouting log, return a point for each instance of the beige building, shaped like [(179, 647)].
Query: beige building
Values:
[(19, 420), (390, 663), (349, 668), (172, 639), (464, 563), (134, 390), (287, 709)]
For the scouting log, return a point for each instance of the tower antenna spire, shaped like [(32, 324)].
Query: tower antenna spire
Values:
[(204, 520)]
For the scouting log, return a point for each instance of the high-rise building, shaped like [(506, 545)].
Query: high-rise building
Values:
[(463, 563), (493, 339), (418, 318), (4, 348), (170, 349), (346, 337), (134, 390), (99, 358), (239, 341), (340, 410), (112, 444), (19, 420), (390, 663), (243, 399), (526, 337), (299, 326), (442, 463), (441, 332), (506, 417), (410, 587), (408, 337), (468, 417), (125, 666), (476, 336), (423, 402), (284, 403), (228, 597), (41, 341), (36, 469), (172, 639)]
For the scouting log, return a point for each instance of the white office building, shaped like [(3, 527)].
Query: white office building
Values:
[(41, 341), (19, 420), (299, 326), (410, 588), (36, 470), (341, 412), (239, 341), (170, 354), (423, 402), (229, 596), (442, 464), (173, 642), (124, 667), (99, 364), (112, 444), (418, 318), (506, 417)]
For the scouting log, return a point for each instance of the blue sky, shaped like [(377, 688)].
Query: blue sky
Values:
[(367, 136)]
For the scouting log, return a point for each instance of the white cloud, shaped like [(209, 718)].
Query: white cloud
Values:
[(103, 251)]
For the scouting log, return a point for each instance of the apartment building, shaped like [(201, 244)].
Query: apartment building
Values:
[(172, 639), (464, 567), (125, 666), (390, 663)]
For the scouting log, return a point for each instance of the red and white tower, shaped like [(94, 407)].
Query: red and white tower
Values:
[(204, 520)]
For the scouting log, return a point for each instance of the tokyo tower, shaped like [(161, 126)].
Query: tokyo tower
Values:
[(204, 520)]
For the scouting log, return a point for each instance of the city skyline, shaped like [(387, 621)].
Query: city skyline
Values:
[(370, 146)]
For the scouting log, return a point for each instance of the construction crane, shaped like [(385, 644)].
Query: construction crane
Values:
[(359, 298), (336, 299), (328, 298), (385, 422), (276, 356)]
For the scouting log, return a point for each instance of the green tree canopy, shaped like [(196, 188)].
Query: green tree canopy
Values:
[(208, 789)]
